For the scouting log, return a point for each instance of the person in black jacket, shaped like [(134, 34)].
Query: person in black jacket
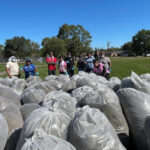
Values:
[(70, 64), (81, 64)]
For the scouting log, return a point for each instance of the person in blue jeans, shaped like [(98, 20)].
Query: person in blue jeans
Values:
[(29, 69), (89, 65)]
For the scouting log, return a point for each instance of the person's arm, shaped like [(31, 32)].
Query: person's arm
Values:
[(55, 61), (49, 63), (109, 63), (8, 72)]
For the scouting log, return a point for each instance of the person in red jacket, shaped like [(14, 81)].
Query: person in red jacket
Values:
[(51, 61)]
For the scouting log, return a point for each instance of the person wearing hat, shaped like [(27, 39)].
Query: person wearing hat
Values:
[(12, 67), (29, 69)]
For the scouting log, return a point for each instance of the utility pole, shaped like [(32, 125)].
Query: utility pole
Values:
[(108, 45)]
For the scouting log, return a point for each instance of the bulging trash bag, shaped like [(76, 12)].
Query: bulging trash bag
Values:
[(69, 86), (41, 141), (115, 83), (5, 81), (52, 122), (102, 80), (3, 132), (10, 94), (51, 77), (91, 130), (33, 80), (14, 120), (147, 130), (74, 78), (63, 78), (54, 83), (137, 83), (59, 100), (36, 92), (81, 92), (82, 73), (18, 85), (26, 109), (86, 81), (107, 101), (136, 107), (145, 77)]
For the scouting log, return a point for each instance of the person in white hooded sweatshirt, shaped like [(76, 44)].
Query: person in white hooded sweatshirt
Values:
[(12, 67)]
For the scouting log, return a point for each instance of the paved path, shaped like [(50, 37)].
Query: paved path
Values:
[(2, 73)]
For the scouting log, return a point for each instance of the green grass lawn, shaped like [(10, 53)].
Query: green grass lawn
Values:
[(121, 67)]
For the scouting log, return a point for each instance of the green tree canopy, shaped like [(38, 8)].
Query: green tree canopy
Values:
[(1, 51), (140, 42), (57, 46), (76, 38), (20, 47), (127, 46)]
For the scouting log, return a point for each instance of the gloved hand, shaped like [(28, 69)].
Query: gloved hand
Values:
[(72, 68), (110, 69), (21, 69), (37, 73)]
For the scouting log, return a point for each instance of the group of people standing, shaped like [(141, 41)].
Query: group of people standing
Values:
[(98, 63)]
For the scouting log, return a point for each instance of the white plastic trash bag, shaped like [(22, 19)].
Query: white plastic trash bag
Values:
[(81, 92), (59, 100), (3, 132), (26, 109), (10, 94), (52, 122), (36, 93), (107, 101), (136, 107), (91, 130), (41, 141), (13, 116), (137, 83), (70, 85)]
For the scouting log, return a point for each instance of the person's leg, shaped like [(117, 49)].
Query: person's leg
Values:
[(72, 73), (54, 72), (68, 70), (49, 72), (107, 76)]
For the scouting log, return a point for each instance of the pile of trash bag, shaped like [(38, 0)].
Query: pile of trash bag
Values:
[(84, 112)]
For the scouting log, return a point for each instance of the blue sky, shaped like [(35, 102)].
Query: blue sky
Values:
[(107, 20)]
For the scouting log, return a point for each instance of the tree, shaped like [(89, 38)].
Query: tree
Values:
[(20, 47), (1, 51), (57, 46), (140, 41), (127, 46), (76, 38)]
